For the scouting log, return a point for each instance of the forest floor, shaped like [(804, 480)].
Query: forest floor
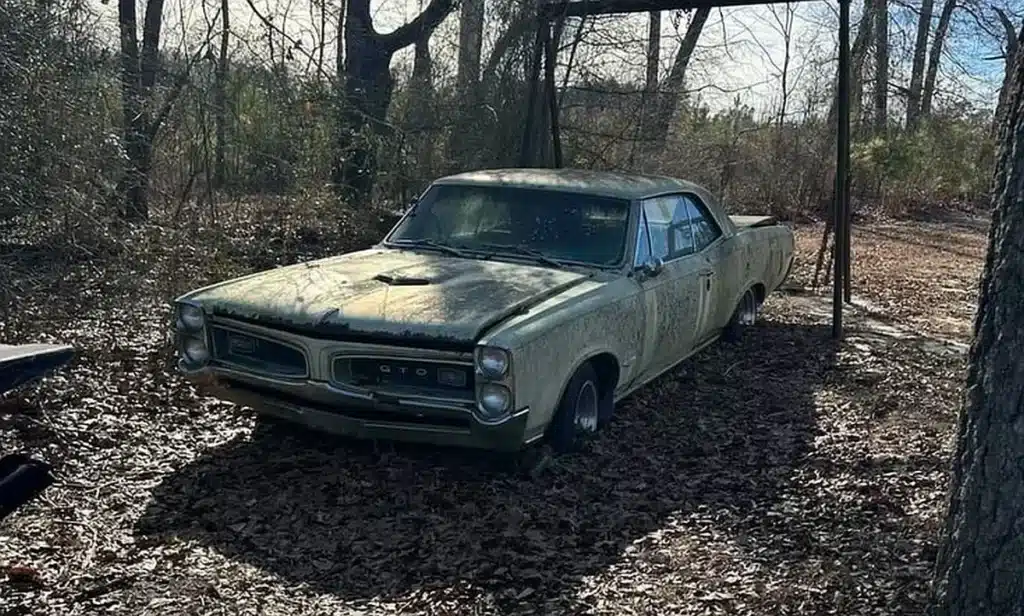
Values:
[(782, 475)]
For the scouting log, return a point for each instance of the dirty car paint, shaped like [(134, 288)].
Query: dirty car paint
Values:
[(388, 292)]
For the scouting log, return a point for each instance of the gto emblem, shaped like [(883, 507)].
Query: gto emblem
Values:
[(386, 369)]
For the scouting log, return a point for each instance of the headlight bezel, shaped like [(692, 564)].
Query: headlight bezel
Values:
[(493, 367), (489, 355), (204, 356), (191, 328), (187, 311), (487, 414)]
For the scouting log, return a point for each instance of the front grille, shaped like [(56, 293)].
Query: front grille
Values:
[(258, 353), (427, 377)]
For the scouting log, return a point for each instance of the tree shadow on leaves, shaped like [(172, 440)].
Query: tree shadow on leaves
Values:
[(723, 430)]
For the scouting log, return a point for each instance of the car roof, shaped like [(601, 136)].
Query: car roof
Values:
[(585, 181)]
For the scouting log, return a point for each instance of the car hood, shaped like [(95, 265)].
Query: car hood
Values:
[(386, 294)]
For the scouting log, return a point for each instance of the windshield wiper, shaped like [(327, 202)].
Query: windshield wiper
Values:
[(524, 250), (428, 243)]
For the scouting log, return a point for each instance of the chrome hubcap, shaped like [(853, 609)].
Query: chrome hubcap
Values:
[(748, 311), (586, 408)]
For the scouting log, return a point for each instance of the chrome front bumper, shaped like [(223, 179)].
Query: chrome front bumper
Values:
[(326, 408)]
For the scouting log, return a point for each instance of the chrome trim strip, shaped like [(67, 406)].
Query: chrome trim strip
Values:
[(292, 386)]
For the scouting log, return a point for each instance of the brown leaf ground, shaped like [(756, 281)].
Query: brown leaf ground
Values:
[(783, 475)]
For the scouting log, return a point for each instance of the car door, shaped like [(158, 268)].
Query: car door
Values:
[(672, 296), (718, 269)]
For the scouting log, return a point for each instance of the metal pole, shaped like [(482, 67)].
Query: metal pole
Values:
[(847, 222), (841, 211)]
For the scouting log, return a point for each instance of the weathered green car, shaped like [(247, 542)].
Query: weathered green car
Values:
[(505, 308)]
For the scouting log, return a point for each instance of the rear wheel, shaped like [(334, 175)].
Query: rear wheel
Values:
[(744, 316)]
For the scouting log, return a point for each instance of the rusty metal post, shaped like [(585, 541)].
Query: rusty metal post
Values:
[(841, 207)]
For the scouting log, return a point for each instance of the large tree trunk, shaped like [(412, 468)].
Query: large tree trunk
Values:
[(220, 100), (366, 91), (138, 77), (881, 65), (464, 142), (924, 27), (1011, 54), (981, 559), (653, 52), (672, 88), (934, 57), (858, 57)]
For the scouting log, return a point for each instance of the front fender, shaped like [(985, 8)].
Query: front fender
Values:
[(544, 366)]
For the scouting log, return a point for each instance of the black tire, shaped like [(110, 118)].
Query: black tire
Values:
[(566, 434), (744, 316)]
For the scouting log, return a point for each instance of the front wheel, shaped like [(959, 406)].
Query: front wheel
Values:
[(579, 413), (744, 316)]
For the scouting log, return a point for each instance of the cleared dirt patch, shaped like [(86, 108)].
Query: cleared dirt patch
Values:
[(781, 475)]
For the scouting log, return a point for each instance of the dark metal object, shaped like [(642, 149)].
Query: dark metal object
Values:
[(549, 10), (841, 194), (22, 478)]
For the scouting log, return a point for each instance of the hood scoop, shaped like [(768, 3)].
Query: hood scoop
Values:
[(401, 281)]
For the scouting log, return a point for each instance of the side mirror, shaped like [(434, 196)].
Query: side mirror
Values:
[(652, 267)]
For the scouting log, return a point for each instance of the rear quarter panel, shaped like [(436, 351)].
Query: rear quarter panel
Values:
[(551, 342)]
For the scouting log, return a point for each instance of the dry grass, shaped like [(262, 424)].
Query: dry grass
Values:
[(783, 475)]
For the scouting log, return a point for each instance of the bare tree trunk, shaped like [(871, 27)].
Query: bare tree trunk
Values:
[(367, 91), (653, 52), (464, 143), (934, 57), (858, 57), (220, 99), (674, 84), (138, 76), (981, 558), (924, 28), (881, 65), (1011, 54)]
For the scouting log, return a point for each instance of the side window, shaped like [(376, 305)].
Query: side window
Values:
[(705, 229), (668, 224)]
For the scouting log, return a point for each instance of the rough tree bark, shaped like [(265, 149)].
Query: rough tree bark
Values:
[(881, 65), (671, 90), (934, 57), (981, 560), (138, 76), (463, 142), (367, 88), (220, 100), (653, 52), (858, 58), (924, 27), (1010, 54)]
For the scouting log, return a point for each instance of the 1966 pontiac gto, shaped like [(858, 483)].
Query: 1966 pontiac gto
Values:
[(505, 308)]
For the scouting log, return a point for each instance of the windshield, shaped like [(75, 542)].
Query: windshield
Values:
[(560, 226)]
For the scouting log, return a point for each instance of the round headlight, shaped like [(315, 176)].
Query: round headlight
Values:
[(195, 350), (493, 362), (494, 400), (191, 316)]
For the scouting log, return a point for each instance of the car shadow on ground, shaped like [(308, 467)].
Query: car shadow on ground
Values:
[(723, 431)]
